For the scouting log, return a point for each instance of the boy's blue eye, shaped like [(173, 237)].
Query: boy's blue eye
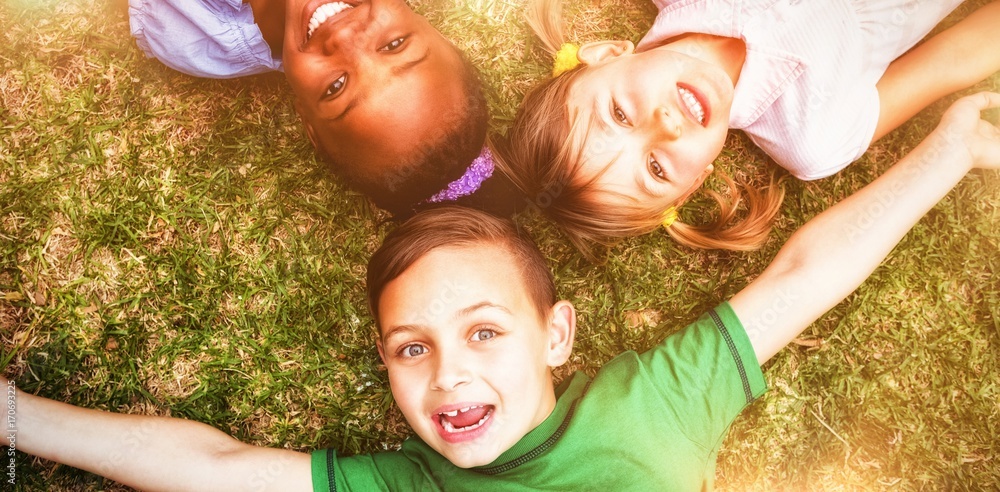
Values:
[(394, 44), (483, 334), (337, 86), (413, 350)]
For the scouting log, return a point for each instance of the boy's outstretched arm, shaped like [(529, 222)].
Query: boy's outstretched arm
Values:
[(152, 453), (959, 57), (833, 253)]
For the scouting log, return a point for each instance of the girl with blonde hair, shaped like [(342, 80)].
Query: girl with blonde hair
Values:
[(623, 134)]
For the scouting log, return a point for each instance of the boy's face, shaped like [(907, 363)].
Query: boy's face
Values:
[(372, 79), (467, 353)]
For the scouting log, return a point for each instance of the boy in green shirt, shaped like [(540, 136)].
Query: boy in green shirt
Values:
[(469, 330)]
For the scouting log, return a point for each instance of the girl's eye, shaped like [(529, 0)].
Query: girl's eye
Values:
[(413, 350), (337, 86), (483, 335), (656, 168), (394, 44), (620, 115)]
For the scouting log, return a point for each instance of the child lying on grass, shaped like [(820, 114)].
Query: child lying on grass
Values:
[(393, 106), (625, 134), (469, 329)]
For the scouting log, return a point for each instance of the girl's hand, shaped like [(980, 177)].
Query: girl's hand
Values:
[(962, 124), (825, 260)]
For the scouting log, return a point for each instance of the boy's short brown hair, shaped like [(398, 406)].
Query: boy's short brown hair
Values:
[(458, 226)]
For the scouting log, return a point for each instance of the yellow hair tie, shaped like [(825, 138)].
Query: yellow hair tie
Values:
[(566, 59), (669, 217)]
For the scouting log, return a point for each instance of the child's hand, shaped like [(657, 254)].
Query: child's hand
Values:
[(963, 124)]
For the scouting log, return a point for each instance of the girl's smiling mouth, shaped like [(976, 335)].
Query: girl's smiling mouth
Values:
[(693, 104), (463, 422)]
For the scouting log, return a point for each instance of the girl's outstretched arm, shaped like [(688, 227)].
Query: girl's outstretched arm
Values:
[(833, 253), (152, 453), (955, 59)]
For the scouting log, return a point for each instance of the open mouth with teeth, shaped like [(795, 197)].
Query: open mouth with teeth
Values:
[(464, 423), (324, 13), (693, 104)]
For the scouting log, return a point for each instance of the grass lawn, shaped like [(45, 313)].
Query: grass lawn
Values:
[(170, 246)]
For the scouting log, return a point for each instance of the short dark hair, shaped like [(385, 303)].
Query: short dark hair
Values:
[(458, 226), (430, 167)]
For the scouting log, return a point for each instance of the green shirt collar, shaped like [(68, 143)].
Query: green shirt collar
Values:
[(543, 436)]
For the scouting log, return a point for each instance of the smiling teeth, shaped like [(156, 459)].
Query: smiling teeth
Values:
[(451, 429), (693, 105), (454, 413), (324, 12)]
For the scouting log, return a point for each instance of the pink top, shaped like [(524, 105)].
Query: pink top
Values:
[(806, 94)]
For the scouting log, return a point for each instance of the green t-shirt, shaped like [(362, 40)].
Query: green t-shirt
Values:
[(650, 421)]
